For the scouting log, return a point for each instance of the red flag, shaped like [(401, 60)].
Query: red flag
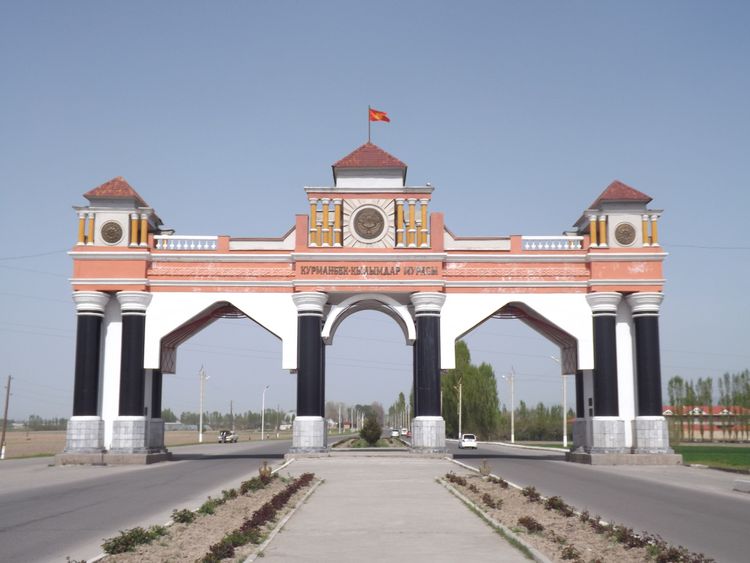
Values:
[(376, 115)]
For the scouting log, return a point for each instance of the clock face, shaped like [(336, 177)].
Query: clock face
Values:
[(368, 223), (111, 232), (625, 234)]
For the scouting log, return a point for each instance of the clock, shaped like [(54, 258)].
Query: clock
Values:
[(111, 232)]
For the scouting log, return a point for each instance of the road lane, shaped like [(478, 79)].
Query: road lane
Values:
[(686, 506), (50, 516)]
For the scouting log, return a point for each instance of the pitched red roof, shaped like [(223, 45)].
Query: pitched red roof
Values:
[(116, 188), (617, 191), (369, 156)]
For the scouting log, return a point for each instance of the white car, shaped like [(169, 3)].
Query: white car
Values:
[(467, 441), (404, 431), (394, 433), (227, 436)]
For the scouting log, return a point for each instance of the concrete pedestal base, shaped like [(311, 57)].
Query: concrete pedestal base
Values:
[(623, 458), (85, 435), (309, 434), (156, 435), (581, 439), (111, 458), (651, 436), (130, 435), (428, 434), (607, 435)]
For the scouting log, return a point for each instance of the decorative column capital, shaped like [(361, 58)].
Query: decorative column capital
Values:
[(134, 302), (645, 303), (427, 302), (604, 302), (90, 302), (400, 200), (310, 302)]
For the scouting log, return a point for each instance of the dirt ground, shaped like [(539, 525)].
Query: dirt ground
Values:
[(19, 443)]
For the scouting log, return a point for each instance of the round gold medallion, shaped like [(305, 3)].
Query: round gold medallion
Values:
[(625, 234), (111, 232), (368, 223)]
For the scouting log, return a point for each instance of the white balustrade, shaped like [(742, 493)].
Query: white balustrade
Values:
[(552, 243), (185, 242)]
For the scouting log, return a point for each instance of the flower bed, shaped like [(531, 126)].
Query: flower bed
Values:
[(560, 532), (227, 527)]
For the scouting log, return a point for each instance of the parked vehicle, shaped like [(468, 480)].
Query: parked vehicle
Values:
[(467, 441), (227, 436), (394, 433)]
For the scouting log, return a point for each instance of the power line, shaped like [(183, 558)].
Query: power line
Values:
[(24, 256)]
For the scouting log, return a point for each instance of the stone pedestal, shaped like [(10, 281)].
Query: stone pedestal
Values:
[(428, 434), (156, 435), (309, 434), (85, 435), (130, 435), (581, 439), (651, 435), (607, 435)]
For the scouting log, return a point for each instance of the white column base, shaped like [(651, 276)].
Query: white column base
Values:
[(130, 435), (309, 434), (428, 433), (651, 435), (85, 435), (607, 435)]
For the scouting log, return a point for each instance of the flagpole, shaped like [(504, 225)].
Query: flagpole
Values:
[(368, 124)]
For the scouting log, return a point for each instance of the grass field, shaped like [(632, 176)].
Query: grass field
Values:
[(19, 444), (719, 456)]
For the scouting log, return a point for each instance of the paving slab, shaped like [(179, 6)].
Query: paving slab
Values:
[(385, 509)]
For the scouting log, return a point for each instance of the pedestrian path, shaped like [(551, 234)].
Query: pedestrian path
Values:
[(384, 509)]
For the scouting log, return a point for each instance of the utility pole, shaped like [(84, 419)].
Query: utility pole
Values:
[(202, 375), (231, 415), (263, 415), (5, 418)]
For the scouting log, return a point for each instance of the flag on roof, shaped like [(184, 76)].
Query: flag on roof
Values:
[(377, 115)]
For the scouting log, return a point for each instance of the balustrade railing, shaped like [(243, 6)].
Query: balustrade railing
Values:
[(185, 242), (552, 243)]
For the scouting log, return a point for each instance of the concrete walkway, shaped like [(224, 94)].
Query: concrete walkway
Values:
[(384, 509)]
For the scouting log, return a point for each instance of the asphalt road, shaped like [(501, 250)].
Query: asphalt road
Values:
[(686, 506), (49, 513)]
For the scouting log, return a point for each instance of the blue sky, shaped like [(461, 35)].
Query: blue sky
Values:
[(520, 113)]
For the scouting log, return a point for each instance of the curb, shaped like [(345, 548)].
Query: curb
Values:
[(506, 532), (282, 523)]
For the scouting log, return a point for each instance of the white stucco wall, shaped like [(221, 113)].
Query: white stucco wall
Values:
[(463, 312)]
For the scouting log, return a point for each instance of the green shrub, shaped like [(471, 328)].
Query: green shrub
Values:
[(209, 507), (184, 516), (530, 524), (254, 484), (371, 431), (128, 540), (531, 494)]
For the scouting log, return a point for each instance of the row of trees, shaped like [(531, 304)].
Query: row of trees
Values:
[(242, 421), (689, 398)]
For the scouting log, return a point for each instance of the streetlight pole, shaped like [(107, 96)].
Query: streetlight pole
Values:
[(510, 378), (203, 378), (564, 405), (263, 414), (460, 390)]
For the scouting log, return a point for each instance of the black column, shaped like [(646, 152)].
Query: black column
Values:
[(580, 406), (605, 365), (132, 382), (648, 364), (414, 378), (88, 339), (310, 395), (427, 366), (156, 379), (322, 378)]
